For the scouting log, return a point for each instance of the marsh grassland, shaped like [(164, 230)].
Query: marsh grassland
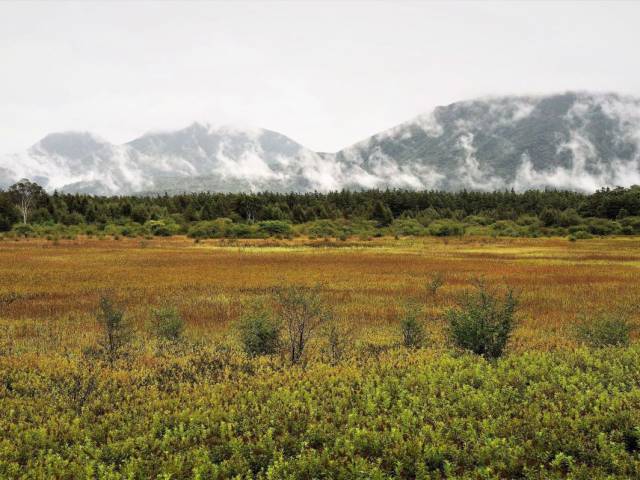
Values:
[(553, 406)]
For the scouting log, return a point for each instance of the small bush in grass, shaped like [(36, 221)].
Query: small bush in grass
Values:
[(259, 331), (303, 311), (605, 331), (413, 335), (482, 321), (167, 324), (116, 331)]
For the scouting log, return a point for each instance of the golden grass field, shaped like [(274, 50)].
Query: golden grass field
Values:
[(49, 290)]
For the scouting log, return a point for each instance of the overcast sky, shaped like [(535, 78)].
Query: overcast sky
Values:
[(326, 74)]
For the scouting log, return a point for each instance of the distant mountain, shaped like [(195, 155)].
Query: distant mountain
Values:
[(576, 141)]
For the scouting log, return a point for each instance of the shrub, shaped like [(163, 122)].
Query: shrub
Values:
[(302, 311), (241, 230), (602, 226), (323, 228), (275, 227), (605, 331), (24, 230), (412, 329), (160, 228), (116, 332), (167, 324), (259, 332), (446, 228), (408, 227), (482, 322), (210, 229)]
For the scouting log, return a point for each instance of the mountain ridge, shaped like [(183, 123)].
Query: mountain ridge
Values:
[(573, 140)]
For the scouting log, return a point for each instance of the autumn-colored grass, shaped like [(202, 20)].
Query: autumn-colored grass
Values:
[(49, 290)]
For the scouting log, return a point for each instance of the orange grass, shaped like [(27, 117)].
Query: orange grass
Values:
[(49, 291)]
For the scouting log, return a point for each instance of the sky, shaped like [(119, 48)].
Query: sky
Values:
[(327, 74)]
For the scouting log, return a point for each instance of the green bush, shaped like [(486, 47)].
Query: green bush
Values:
[(605, 330), (446, 228), (602, 226), (259, 331), (116, 331), (210, 229), (323, 228), (241, 230), (167, 324), (160, 228), (413, 335), (275, 227), (482, 321), (408, 227), (24, 230)]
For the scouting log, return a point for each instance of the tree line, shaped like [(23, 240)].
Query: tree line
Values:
[(28, 203)]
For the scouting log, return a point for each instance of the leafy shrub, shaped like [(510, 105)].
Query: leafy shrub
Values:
[(580, 235), (259, 332), (605, 330), (323, 228), (275, 227), (160, 228), (445, 228), (408, 227), (482, 322), (116, 332), (167, 324), (413, 335), (602, 226), (24, 230), (241, 230), (210, 229)]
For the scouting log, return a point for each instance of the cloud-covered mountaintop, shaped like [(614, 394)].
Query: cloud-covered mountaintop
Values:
[(577, 141)]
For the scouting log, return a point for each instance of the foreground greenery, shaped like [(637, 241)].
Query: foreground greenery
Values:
[(211, 412), (337, 214)]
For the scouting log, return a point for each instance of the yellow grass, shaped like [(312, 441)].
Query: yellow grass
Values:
[(49, 291)]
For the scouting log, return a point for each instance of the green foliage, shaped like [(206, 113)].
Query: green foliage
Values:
[(381, 213), (259, 331), (413, 335), (24, 230), (210, 229), (408, 415), (605, 330), (115, 330), (336, 214), (408, 227), (482, 321), (275, 227), (445, 228), (162, 228), (167, 324)]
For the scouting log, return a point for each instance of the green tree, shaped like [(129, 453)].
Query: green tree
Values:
[(381, 213), (26, 195)]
